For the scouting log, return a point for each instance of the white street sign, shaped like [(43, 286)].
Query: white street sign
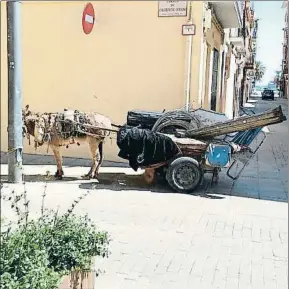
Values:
[(189, 29), (172, 8)]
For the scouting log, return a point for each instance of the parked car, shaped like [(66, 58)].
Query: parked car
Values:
[(268, 94)]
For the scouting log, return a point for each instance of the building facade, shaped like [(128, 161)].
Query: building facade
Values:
[(219, 17), (284, 73), (250, 56), (133, 59)]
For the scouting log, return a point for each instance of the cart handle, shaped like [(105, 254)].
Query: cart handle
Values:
[(247, 162)]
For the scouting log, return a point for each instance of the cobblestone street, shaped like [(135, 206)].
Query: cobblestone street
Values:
[(233, 235)]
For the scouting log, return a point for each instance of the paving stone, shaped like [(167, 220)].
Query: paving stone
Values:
[(235, 234)]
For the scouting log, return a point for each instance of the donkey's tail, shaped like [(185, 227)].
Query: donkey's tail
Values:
[(100, 149)]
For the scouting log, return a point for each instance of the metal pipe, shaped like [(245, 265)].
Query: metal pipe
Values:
[(189, 61), (14, 50), (202, 60)]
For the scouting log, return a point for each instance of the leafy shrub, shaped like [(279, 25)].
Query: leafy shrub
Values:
[(24, 260), (37, 253), (71, 241)]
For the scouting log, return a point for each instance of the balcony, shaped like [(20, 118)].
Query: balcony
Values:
[(250, 62), (285, 67), (254, 36), (228, 13), (249, 65), (236, 37)]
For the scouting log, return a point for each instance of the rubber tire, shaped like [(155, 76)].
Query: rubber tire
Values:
[(170, 118), (172, 123), (176, 164)]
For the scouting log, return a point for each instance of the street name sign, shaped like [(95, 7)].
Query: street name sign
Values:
[(172, 8)]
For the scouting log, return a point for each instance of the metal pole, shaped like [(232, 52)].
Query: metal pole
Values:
[(189, 61), (14, 47)]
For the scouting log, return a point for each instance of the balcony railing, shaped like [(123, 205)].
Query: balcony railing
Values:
[(254, 33), (239, 8), (237, 32)]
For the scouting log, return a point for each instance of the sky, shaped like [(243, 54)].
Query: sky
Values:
[(270, 36)]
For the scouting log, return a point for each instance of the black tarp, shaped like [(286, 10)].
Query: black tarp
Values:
[(143, 147)]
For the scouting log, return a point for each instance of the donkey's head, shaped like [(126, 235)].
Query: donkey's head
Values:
[(26, 111), (34, 124)]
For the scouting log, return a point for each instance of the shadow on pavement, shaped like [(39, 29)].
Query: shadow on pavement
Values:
[(264, 185), (120, 182)]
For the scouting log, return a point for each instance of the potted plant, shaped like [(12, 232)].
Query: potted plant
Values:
[(49, 252)]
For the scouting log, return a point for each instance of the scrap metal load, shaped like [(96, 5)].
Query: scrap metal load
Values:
[(270, 117), (200, 123), (165, 122)]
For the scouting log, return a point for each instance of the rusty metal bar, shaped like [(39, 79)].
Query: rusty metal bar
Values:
[(241, 124)]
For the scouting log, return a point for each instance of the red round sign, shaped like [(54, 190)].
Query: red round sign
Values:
[(88, 18)]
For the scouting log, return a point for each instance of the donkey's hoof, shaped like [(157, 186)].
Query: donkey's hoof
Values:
[(87, 177), (58, 177)]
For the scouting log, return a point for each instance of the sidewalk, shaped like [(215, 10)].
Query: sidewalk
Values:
[(165, 240), (230, 236)]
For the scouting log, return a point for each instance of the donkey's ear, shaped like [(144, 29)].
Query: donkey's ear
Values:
[(25, 111)]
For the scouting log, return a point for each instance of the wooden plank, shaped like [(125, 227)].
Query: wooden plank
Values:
[(186, 141), (241, 124)]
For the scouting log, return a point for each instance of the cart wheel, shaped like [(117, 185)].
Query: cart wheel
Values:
[(149, 175), (184, 174)]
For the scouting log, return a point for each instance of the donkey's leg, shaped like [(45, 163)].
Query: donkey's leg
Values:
[(99, 159), (58, 158), (93, 145)]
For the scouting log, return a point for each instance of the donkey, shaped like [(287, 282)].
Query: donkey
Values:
[(49, 128)]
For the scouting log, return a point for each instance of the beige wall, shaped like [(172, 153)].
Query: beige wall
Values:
[(132, 60)]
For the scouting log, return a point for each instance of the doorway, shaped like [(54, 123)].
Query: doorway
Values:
[(214, 85)]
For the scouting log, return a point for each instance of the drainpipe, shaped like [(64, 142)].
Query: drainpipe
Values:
[(201, 71), (189, 60)]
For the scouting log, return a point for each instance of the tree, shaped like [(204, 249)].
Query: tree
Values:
[(259, 70)]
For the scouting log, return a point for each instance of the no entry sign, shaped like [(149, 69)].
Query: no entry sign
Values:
[(88, 18)]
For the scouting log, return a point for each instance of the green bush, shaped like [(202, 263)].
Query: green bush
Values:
[(71, 241), (24, 260), (36, 254)]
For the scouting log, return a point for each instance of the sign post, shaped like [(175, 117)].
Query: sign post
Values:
[(14, 50), (188, 29)]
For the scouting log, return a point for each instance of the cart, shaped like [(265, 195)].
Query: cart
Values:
[(185, 172), (224, 145)]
